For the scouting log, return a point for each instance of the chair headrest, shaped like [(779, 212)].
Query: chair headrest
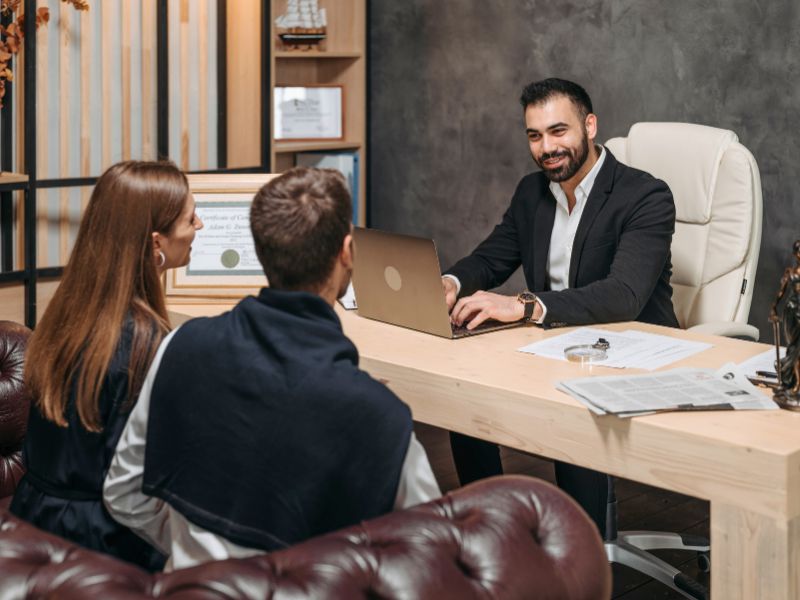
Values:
[(687, 157)]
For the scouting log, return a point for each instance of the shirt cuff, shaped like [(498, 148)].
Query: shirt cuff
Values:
[(540, 320), (455, 280)]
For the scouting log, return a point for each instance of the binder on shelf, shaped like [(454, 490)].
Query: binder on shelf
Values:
[(346, 162)]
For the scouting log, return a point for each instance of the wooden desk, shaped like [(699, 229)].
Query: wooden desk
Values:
[(747, 464)]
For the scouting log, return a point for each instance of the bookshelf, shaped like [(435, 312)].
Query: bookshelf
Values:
[(339, 60)]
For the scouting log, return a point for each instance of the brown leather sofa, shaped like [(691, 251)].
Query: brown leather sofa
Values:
[(505, 538), (14, 406)]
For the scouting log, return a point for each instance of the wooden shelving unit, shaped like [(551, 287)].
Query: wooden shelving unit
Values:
[(340, 60), (9, 177)]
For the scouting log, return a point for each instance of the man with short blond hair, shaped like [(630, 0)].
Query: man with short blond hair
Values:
[(256, 429)]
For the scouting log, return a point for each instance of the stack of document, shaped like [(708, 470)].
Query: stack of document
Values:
[(631, 348), (676, 389), (762, 366)]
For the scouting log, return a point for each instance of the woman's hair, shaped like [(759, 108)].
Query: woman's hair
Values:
[(110, 275)]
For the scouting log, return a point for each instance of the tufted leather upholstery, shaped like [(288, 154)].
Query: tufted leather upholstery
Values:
[(507, 537), (14, 405), (717, 190)]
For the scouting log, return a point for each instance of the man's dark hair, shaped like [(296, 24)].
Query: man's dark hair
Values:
[(539, 92), (299, 221)]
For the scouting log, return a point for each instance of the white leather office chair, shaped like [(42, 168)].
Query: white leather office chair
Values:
[(717, 191)]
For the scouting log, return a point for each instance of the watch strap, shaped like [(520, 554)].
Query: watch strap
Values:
[(529, 308)]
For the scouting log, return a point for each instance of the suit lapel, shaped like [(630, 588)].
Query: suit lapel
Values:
[(542, 230), (594, 204)]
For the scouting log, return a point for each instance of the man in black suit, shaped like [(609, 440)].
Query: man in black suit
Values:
[(593, 237)]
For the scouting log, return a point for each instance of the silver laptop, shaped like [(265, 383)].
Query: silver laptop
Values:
[(397, 280)]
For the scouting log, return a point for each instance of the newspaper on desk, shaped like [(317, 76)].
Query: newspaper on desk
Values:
[(631, 348), (762, 365), (676, 389)]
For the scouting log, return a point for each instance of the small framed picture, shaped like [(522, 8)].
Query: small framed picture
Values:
[(309, 113), (223, 261)]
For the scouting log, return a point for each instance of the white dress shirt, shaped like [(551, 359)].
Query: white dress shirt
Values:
[(183, 542), (563, 235), (566, 224)]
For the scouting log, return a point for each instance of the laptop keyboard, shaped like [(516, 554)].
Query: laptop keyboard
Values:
[(461, 330)]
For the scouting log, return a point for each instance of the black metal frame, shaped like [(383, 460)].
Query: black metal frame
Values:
[(31, 273)]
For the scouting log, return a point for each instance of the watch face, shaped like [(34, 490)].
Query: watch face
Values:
[(526, 297)]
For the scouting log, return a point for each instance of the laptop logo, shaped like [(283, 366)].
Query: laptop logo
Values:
[(393, 279)]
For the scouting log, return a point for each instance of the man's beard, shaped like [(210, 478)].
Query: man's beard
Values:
[(575, 160)]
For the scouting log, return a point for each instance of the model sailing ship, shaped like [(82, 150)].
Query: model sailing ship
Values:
[(303, 24)]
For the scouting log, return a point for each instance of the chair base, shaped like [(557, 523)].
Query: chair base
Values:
[(630, 549)]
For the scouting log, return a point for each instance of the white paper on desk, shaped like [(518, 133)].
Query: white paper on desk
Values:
[(620, 344), (661, 350), (348, 301), (627, 349), (761, 362)]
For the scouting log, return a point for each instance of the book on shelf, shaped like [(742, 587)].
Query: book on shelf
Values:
[(346, 162)]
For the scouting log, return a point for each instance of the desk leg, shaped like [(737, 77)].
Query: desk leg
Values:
[(753, 556)]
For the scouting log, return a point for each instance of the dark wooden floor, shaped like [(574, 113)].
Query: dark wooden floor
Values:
[(639, 506)]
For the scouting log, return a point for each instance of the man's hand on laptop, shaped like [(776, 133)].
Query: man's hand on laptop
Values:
[(481, 306), (450, 292)]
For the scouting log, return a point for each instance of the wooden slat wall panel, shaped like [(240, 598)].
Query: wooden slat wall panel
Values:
[(184, 88), (66, 101), (87, 39), (193, 84), (148, 70), (126, 79), (202, 82), (43, 139), (96, 89), (244, 65), (96, 103), (19, 149)]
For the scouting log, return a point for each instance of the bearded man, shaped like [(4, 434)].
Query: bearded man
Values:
[(593, 238)]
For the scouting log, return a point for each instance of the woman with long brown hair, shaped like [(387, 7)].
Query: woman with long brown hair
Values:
[(91, 350)]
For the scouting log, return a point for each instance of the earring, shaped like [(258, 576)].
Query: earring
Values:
[(163, 259)]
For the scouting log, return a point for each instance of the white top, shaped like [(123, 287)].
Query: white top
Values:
[(563, 235), (183, 542)]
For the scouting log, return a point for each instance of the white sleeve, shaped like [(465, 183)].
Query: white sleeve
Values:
[(122, 491), (455, 280), (417, 482)]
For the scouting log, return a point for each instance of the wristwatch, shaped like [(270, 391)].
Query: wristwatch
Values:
[(529, 300)]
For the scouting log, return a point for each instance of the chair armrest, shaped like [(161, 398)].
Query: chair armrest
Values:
[(729, 329)]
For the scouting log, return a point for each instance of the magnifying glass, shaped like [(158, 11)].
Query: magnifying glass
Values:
[(587, 353)]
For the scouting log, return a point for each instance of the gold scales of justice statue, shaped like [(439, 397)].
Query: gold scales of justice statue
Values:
[(787, 392)]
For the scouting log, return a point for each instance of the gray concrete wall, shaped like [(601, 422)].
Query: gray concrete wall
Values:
[(448, 143)]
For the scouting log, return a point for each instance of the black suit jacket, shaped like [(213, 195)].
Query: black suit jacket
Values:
[(620, 266)]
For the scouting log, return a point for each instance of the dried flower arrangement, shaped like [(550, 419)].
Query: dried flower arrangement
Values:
[(11, 37)]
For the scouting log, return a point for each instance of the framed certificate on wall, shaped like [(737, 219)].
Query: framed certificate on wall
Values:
[(308, 113), (223, 261)]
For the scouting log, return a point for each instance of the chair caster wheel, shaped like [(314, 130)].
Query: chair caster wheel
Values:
[(704, 562)]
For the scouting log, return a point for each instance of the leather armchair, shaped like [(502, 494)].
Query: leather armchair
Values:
[(717, 189), (14, 406)]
